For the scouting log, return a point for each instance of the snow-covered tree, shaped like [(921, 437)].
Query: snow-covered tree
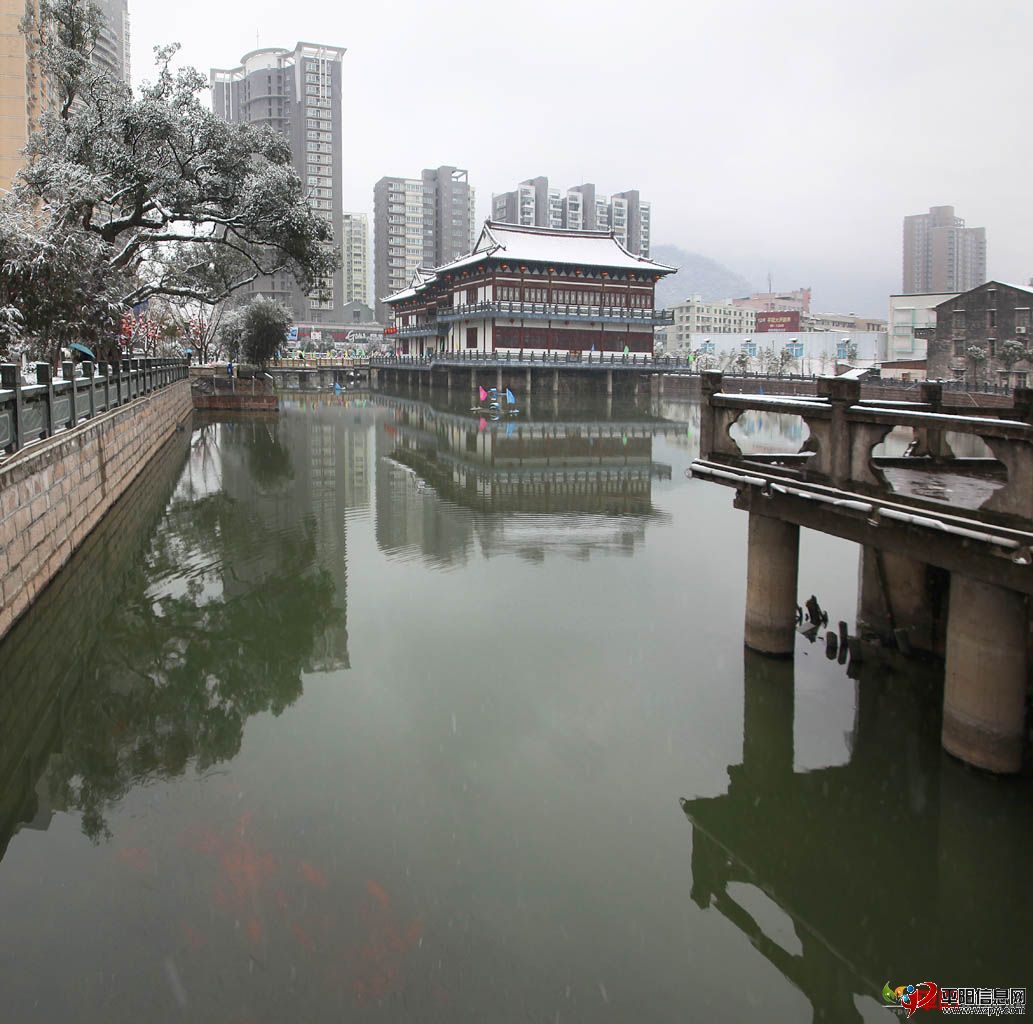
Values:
[(264, 324), (256, 332), (146, 195)]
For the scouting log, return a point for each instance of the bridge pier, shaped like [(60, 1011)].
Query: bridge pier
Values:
[(473, 382), (772, 565), (498, 380), (527, 384), (555, 382), (609, 383), (900, 593), (987, 672)]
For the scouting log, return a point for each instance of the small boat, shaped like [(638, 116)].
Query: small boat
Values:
[(495, 408)]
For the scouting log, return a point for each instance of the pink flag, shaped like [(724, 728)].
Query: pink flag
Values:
[(483, 424), (484, 394)]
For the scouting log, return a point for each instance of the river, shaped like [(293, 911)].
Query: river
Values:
[(381, 711)]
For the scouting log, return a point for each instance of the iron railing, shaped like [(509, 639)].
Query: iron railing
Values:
[(32, 412)]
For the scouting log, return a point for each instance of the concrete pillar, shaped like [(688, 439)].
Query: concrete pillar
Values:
[(660, 386), (498, 379), (609, 383), (900, 593), (473, 381), (555, 382), (448, 381), (986, 675), (527, 384), (771, 572)]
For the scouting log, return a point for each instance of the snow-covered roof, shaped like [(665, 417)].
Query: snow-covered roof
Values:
[(420, 279), (1017, 287), (521, 244)]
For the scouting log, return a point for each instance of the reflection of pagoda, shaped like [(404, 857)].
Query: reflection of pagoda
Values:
[(898, 866), (521, 487)]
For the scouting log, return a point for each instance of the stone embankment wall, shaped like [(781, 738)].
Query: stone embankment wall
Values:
[(67, 619), (53, 494)]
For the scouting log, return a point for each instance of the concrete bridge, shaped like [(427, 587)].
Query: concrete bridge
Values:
[(946, 578), (324, 372), (615, 374)]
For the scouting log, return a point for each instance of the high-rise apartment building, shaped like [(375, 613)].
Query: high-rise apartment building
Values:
[(941, 254), (534, 204), (112, 49), (297, 92), (419, 222), (355, 257), (24, 95)]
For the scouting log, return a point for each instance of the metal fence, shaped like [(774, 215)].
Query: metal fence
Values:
[(32, 412)]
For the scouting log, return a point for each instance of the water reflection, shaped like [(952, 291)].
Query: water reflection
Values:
[(577, 485), (228, 590), (340, 781), (875, 863)]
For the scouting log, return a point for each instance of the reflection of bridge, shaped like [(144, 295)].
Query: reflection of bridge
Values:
[(914, 549), (877, 862)]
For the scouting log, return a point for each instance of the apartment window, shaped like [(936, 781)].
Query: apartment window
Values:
[(991, 319), (471, 337), (992, 345), (958, 321), (959, 348)]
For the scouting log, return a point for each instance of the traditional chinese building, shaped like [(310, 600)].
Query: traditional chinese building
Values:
[(532, 290)]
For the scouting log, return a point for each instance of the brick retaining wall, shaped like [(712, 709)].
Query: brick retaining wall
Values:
[(53, 494)]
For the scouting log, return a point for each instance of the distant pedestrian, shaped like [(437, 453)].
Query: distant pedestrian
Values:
[(229, 368)]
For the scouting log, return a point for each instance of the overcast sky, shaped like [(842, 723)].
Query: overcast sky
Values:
[(790, 137)]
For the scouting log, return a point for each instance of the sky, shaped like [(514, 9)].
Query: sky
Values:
[(784, 138)]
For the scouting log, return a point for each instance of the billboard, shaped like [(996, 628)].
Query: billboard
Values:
[(780, 320)]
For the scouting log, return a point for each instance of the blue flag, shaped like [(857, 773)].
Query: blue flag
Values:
[(510, 397)]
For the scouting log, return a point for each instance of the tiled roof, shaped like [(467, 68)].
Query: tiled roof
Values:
[(540, 245)]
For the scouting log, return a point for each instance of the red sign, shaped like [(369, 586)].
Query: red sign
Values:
[(390, 330), (780, 320)]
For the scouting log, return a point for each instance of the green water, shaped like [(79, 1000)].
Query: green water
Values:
[(376, 711)]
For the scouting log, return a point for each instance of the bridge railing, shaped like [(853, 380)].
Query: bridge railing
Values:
[(318, 362), (32, 412), (844, 430)]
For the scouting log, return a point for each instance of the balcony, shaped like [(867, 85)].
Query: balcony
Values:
[(426, 330), (555, 311)]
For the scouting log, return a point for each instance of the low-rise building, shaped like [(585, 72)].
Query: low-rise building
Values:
[(532, 290), (841, 322), (818, 352), (983, 336), (912, 316), (766, 302), (694, 316)]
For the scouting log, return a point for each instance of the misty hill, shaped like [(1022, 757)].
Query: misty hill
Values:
[(697, 275)]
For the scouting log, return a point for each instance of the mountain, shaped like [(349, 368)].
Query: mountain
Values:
[(697, 275)]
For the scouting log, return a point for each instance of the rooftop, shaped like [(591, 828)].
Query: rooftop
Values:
[(540, 245)]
